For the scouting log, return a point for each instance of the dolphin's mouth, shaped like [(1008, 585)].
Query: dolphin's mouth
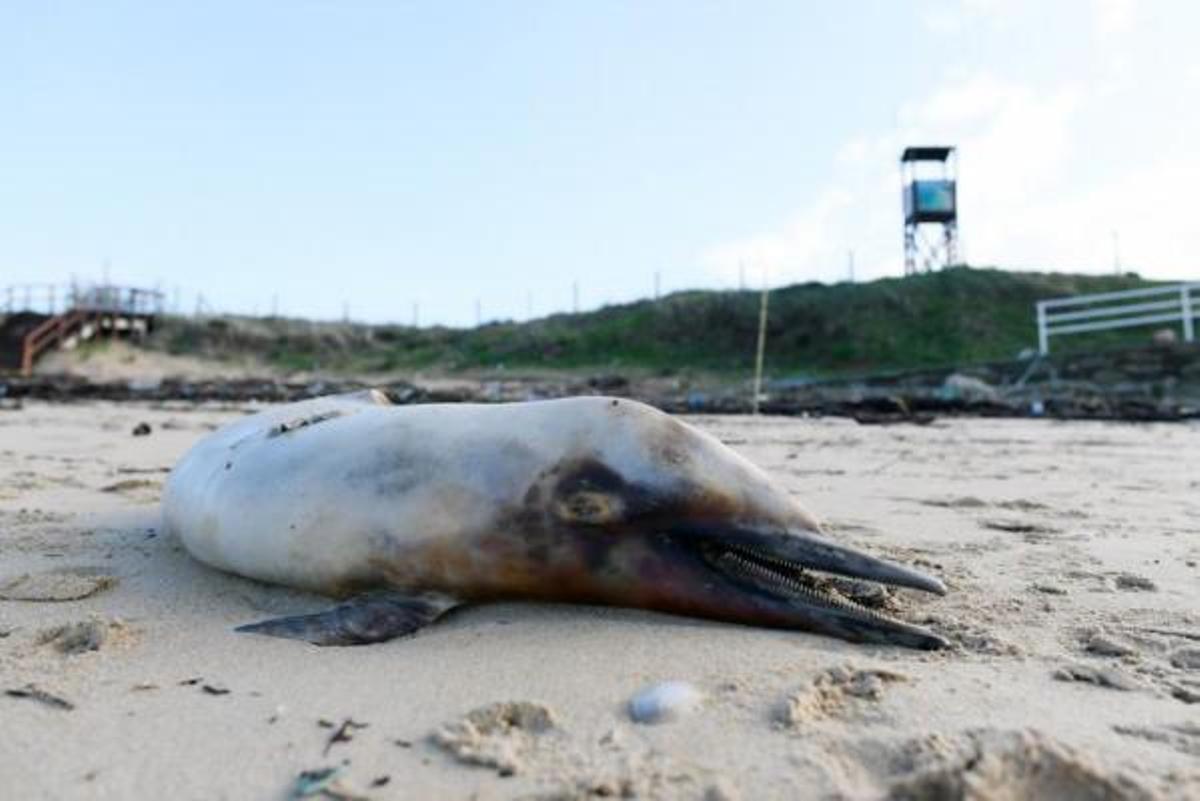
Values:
[(804, 579)]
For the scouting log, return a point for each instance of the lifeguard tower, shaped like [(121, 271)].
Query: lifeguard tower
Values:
[(930, 186)]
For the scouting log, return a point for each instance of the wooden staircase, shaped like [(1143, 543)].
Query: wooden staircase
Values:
[(26, 333), (51, 333)]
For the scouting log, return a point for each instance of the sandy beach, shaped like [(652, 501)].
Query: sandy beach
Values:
[(1071, 551)]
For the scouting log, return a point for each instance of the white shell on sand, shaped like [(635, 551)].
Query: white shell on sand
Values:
[(664, 701)]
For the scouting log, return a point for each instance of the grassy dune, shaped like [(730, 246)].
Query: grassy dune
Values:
[(951, 317)]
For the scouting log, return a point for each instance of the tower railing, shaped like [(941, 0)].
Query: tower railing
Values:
[(1104, 311)]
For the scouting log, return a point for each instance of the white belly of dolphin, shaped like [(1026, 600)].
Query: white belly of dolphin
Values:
[(319, 494)]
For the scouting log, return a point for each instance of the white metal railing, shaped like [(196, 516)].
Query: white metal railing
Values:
[(1176, 303)]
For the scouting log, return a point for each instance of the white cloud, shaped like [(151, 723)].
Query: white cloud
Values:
[(1114, 18), (801, 240), (941, 19), (1013, 138), (953, 17), (1048, 170)]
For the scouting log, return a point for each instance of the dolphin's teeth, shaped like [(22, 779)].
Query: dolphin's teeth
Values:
[(765, 568)]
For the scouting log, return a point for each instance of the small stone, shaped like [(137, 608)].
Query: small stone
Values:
[(1188, 696), (1102, 645), (720, 791), (77, 638), (141, 429), (1128, 581), (605, 788), (1101, 677), (1186, 659), (666, 701)]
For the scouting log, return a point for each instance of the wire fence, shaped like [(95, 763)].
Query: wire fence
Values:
[(51, 299)]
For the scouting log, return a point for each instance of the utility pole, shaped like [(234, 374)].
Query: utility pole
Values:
[(657, 284), (575, 297), (1116, 252), (741, 276), (478, 313), (761, 348), (275, 306)]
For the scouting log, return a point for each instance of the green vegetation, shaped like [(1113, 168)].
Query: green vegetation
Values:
[(955, 316)]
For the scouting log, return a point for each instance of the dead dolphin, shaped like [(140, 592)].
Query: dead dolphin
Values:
[(590, 500)]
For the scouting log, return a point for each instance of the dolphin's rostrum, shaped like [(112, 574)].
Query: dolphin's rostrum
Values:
[(411, 510)]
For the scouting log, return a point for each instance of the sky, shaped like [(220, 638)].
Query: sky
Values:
[(496, 159)]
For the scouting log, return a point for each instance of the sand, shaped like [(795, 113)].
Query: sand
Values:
[(1071, 551)]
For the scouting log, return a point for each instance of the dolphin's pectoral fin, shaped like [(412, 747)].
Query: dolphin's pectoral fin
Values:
[(374, 617)]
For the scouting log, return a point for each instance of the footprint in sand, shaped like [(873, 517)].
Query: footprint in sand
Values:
[(85, 635), (1031, 532), (500, 736), (995, 764), (1100, 643), (834, 693), (1186, 659), (968, 638), (1112, 678), (1183, 737), (66, 584), (26, 517), (142, 490)]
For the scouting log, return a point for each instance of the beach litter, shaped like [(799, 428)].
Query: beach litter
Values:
[(33, 693), (344, 732), (663, 702), (324, 783)]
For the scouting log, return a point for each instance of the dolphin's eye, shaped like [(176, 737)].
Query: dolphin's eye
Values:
[(590, 507)]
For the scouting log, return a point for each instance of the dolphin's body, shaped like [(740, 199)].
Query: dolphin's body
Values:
[(593, 500)]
